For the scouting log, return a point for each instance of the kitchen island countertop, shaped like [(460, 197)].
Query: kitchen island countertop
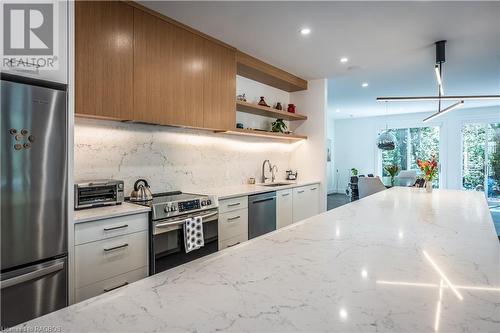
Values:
[(401, 260)]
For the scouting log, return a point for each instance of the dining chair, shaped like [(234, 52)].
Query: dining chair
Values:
[(369, 185)]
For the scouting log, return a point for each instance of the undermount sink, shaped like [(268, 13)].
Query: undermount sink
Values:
[(274, 184)]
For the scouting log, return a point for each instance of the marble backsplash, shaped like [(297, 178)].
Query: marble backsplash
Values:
[(171, 158)]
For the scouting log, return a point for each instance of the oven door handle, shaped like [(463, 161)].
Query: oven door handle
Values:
[(171, 223)]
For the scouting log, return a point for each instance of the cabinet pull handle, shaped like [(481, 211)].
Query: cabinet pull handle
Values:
[(113, 288), (302, 191), (234, 204), (233, 244), (314, 188), (116, 228), (115, 247), (285, 194), (233, 218)]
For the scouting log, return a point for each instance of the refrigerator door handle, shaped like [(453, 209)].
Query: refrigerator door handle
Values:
[(31, 275)]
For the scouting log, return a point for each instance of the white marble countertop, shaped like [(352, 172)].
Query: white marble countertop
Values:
[(226, 192), (93, 214), (401, 260)]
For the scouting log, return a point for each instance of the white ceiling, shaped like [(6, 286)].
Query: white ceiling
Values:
[(390, 45)]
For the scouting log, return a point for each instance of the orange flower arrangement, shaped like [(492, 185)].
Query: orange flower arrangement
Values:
[(429, 168)]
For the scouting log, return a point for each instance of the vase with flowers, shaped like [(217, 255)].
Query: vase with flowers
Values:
[(429, 169), (392, 170)]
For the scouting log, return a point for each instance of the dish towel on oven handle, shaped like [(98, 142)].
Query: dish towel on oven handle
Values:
[(193, 234)]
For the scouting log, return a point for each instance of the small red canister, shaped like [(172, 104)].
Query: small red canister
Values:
[(291, 108)]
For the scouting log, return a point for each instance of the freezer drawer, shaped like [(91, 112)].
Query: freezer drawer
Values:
[(33, 291)]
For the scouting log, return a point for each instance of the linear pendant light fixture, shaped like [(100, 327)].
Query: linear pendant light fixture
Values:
[(448, 109), (438, 70)]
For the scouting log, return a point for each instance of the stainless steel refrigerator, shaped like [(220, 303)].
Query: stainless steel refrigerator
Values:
[(33, 199)]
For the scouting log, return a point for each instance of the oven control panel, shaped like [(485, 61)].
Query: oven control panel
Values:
[(162, 210), (185, 206)]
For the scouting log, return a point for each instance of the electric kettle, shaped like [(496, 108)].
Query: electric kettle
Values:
[(141, 191)]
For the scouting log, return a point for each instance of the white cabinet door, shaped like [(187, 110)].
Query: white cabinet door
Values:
[(313, 199), (300, 209), (284, 208), (232, 224), (97, 261), (305, 202)]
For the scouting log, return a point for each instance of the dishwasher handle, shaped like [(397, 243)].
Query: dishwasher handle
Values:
[(262, 200)]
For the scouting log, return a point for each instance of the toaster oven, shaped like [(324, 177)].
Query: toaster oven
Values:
[(98, 193)]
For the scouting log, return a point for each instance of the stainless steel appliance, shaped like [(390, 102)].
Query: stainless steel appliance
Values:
[(261, 214), (168, 213), (98, 193), (33, 199), (141, 191)]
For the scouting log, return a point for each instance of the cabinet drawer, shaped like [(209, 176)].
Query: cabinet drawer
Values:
[(106, 258), (96, 230), (228, 205), (110, 284), (232, 241), (233, 223)]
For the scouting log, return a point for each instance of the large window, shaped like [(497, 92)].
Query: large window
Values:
[(481, 159), (412, 144)]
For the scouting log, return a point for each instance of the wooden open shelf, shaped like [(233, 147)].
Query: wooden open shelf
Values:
[(264, 134), (257, 70), (267, 111)]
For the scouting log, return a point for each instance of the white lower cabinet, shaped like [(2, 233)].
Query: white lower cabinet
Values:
[(233, 221), (305, 202), (103, 261), (284, 208), (110, 284)]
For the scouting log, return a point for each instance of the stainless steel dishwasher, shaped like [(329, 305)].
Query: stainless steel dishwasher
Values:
[(261, 214)]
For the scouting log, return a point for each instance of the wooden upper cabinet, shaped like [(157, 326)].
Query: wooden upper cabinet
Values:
[(168, 72), (104, 59), (219, 94), (133, 65)]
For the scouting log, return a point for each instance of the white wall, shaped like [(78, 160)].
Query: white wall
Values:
[(355, 142), (310, 156)]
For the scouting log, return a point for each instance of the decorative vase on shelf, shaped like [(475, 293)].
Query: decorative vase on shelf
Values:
[(428, 186)]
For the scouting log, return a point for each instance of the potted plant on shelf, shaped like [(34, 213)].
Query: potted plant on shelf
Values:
[(429, 169), (392, 170), (279, 126)]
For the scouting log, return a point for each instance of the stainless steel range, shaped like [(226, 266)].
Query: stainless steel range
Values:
[(169, 211)]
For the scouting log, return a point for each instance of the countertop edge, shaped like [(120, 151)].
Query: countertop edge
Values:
[(105, 212), (262, 189)]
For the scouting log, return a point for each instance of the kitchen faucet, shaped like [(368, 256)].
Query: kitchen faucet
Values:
[(263, 178)]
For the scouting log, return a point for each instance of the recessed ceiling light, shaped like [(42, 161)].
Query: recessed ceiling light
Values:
[(364, 84), (344, 60), (305, 31)]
